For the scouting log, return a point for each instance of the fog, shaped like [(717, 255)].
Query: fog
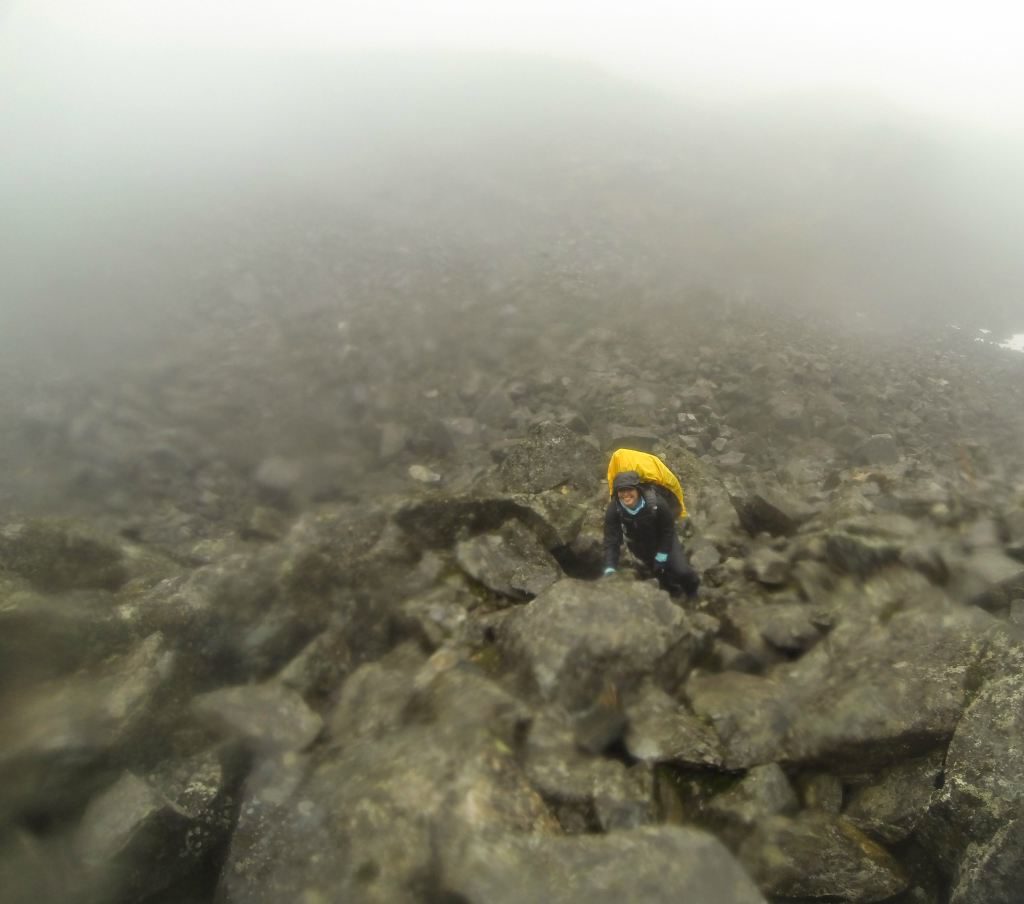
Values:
[(156, 163)]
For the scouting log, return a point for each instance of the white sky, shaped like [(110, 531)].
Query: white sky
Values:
[(962, 59)]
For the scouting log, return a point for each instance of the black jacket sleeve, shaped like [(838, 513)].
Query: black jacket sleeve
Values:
[(666, 525), (612, 535)]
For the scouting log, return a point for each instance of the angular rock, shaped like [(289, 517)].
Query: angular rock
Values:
[(992, 871), (847, 705), (423, 474), (625, 436), (655, 864), (988, 578), (374, 697), (750, 715), (662, 730), (511, 562), (137, 840), (821, 791), (358, 822), (785, 627), (554, 516), (770, 510), (879, 449), (57, 555), (587, 793), (983, 788), (764, 791), (703, 555), (578, 635), (862, 546), (321, 665), (551, 456), (768, 567), (57, 738), (43, 636), (818, 856), (891, 807), (267, 717)]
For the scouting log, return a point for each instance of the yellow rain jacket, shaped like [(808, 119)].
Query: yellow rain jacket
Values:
[(651, 470)]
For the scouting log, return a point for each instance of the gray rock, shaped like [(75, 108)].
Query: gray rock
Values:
[(819, 856), (577, 635), (749, 714), (549, 457), (984, 774), (730, 460), (423, 474), (785, 627), (374, 697), (137, 838), (992, 871), (586, 792), (44, 636), (770, 510), (891, 807), (267, 717), (862, 546), (359, 819), (321, 665), (56, 555), (662, 730), (703, 555), (821, 791), (279, 475), (1017, 612), (879, 449), (655, 864), (851, 709), (764, 791), (394, 438), (767, 566), (511, 562), (625, 436), (58, 736), (987, 578)]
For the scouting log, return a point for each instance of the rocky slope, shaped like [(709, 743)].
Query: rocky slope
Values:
[(308, 609)]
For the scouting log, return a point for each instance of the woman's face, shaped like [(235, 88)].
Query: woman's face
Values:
[(629, 496)]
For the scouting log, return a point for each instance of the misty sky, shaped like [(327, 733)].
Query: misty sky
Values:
[(960, 60)]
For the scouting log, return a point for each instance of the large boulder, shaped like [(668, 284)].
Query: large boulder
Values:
[(816, 856), (264, 717), (663, 730), (57, 555), (890, 807), (587, 793), (655, 864), (766, 508), (578, 635), (510, 562), (979, 811), (61, 738), (43, 636), (550, 456), (143, 833), (845, 704), (356, 819)]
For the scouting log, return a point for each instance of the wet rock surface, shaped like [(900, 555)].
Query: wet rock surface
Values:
[(299, 621)]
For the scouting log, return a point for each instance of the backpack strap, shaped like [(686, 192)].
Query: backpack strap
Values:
[(650, 495)]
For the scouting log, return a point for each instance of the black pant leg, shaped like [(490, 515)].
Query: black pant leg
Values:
[(678, 575)]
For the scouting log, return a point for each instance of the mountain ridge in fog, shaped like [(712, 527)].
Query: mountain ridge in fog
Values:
[(510, 166)]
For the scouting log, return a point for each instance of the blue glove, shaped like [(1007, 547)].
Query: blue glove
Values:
[(661, 558), (608, 571)]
